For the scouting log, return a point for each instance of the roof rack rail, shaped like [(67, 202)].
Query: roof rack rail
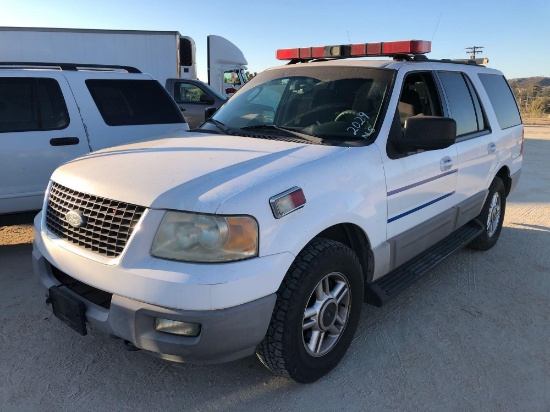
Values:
[(67, 66)]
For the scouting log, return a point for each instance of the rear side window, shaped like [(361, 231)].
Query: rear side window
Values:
[(133, 102), (31, 104), (502, 100), (463, 101)]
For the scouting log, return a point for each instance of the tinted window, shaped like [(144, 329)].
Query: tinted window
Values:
[(480, 116), (502, 99), (133, 102), (31, 104), (460, 102)]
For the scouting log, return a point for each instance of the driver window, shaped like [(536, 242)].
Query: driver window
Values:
[(188, 93), (231, 77), (418, 97)]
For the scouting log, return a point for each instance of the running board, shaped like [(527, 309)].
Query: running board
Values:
[(385, 288)]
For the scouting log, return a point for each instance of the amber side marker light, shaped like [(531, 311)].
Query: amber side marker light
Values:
[(287, 202)]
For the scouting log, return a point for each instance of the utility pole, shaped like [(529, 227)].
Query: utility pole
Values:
[(474, 50)]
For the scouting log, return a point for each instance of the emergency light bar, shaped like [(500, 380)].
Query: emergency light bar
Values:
[(389, 49)]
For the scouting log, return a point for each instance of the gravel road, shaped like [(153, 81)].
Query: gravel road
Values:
[(472, 335)]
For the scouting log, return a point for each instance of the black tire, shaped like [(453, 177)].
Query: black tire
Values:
[(289, 348), (494, 204)]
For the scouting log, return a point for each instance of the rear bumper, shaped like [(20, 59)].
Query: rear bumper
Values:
[(225, 335)]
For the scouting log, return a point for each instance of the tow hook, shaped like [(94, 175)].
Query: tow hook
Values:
[(129, 346)]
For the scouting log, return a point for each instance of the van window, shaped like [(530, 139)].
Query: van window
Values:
[(133, 102), (502, 100), (31, 104)]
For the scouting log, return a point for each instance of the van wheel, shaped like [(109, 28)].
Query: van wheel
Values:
[(316, 313), (491, 216)]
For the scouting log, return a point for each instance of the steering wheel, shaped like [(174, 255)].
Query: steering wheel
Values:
[(342, 116), (329, 106)]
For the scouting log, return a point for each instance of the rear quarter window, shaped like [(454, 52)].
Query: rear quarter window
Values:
[(133, 102), (502, 100), (31, 104)]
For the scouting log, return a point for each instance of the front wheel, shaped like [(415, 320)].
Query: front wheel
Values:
[(316, 314), (491, 216)]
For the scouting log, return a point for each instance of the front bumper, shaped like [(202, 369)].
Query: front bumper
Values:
[(226, 334), (232, 302)]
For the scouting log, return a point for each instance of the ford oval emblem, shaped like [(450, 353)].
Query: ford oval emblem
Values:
[(75, 218)]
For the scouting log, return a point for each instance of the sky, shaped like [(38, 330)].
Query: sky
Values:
[(515, 34)]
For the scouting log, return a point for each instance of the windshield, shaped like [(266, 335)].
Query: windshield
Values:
[(244, 76), (331, 104)]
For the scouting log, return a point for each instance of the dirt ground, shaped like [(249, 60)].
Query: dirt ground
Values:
[(472, 335)]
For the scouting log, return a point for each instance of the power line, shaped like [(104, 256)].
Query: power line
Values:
[(474, 50)]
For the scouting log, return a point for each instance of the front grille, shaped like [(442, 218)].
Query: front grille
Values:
[(107, 224)]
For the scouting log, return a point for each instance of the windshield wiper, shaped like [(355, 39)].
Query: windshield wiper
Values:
[(219, 125), (303, 136)]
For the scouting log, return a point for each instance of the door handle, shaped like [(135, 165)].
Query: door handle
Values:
[(64, 141), (491, 147), (446, 163)]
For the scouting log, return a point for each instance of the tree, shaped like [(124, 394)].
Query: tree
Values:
[(251, 75), (540, 106)]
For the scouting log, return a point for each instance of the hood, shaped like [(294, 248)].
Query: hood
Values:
[(193, 173)]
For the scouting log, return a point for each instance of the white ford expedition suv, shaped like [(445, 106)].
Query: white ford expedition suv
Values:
[(51, 113), (321, 184)]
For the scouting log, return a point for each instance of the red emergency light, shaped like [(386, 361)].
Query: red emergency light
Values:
[(388, 49)]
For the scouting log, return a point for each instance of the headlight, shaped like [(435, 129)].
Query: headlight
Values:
[(193, 237)]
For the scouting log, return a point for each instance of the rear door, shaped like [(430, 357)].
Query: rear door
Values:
[(476, 144), (40, 128), (123, 108)]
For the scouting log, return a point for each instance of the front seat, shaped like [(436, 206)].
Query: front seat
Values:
[(409, 105)]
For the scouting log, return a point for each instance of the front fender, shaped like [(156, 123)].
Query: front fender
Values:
[(346, 187)]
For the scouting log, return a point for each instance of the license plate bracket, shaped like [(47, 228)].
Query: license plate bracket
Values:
[(68, 309)]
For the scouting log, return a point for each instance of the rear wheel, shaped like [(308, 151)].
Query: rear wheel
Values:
[(491, 216), (316, 314)]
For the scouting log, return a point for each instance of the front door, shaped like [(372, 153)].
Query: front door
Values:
[(421, 185)]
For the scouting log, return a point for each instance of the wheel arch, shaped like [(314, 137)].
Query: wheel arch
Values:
[(504, 174), (357, 240)]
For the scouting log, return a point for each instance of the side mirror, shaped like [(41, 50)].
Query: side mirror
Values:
[(208, 113), (427, 133), (206, 99)]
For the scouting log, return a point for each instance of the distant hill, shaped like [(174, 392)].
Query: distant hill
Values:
[(529, 82)]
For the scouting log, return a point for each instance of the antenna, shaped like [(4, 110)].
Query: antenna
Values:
[(437, 25)]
